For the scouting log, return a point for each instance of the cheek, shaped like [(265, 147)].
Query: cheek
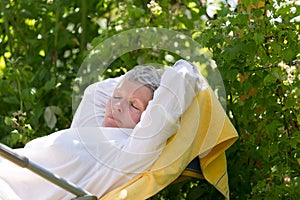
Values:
[(135, 116), (108, 107)]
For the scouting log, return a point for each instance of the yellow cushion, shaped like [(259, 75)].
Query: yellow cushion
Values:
[(206, 132)]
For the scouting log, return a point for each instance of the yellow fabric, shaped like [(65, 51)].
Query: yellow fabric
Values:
[(188, 174), (205, 132)]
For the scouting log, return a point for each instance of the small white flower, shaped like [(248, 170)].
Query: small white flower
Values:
[(169, 58), (154, 7), (118, 28)]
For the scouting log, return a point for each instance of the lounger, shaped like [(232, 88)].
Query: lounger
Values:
[(204, 135)]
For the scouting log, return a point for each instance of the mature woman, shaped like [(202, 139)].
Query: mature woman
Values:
[(118, 131)]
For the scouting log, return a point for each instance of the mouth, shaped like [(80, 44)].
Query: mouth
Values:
[(114, 119), (110, 116), (110, 121)]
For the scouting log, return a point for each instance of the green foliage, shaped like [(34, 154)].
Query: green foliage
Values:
[(43, 44), (258, 58), (194, 189)]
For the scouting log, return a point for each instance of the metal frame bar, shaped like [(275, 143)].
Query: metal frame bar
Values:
[(24, 162)]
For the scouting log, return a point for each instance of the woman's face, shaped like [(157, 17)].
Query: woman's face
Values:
[(125, 107)]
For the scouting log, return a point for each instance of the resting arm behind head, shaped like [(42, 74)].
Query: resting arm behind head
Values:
[(178, 87)]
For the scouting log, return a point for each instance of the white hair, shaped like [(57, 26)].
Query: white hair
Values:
[(146, 75)]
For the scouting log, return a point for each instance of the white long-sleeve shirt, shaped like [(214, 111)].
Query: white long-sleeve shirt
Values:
[(101, 159)]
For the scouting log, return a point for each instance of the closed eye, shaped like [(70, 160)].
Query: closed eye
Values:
[(116, 97), (135, 106)]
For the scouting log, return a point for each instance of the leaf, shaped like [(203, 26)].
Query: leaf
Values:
[(259, 38), (9, 120), (28, 94), (269, 79), (257, 12), (56, 110), (11, 100), (15, 137), (50, 84), (50, 117), (295, 141), (273, 150), (42, 74), (289, 54), (277, 48), (37, 113)]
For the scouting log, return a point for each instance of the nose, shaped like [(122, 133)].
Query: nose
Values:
[(117, 105)]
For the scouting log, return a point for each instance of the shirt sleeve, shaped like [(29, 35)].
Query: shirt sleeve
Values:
[(91, 110), (179, 85)]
